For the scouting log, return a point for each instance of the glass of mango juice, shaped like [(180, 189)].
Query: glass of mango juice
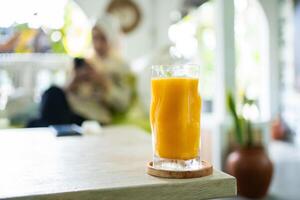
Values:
[(175, 113)]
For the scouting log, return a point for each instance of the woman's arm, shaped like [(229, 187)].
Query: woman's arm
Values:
[(119, 94)]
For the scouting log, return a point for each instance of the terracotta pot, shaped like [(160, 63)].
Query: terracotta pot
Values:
[(277, 130), (253, 170)]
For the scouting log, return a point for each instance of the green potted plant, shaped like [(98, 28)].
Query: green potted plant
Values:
[(249, 162)]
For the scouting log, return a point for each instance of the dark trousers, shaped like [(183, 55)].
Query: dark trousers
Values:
[(55, 110)]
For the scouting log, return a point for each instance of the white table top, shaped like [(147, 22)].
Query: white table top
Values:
[(112, 165)]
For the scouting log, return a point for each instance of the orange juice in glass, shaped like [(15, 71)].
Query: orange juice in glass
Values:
[(175, 117)]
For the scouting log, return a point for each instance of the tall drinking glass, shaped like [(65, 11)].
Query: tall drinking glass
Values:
[(175, 117)]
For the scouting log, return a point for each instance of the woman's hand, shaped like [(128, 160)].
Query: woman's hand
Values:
[(90, 75), (80, 75), (99, 78)]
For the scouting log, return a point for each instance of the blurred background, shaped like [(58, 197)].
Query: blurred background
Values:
[(248, 47)]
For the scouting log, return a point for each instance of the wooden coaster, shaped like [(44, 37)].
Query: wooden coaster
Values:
[(205, 170)]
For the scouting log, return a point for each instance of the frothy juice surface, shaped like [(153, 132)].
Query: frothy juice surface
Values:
[(175, 117)]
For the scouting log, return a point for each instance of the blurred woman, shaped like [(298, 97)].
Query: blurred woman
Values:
[(100, 87), (108, 89)]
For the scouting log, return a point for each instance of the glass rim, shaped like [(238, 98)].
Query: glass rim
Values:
[(170, 66)]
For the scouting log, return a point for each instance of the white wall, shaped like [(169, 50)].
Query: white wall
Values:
[(151, 32), (272, 11)]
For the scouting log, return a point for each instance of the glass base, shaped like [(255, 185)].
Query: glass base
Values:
[(177, 165)]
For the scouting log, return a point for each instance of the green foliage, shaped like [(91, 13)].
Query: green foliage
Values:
[(256, 56), (21, 27), (58, 47), (243, 129), (237, 120)]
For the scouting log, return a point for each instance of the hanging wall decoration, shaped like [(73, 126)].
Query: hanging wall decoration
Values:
[(127, 12)]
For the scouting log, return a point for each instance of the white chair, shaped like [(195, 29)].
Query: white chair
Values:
[(27, 76)]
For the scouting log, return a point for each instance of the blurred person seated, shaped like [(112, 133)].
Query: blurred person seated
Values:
[(101, 86)]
